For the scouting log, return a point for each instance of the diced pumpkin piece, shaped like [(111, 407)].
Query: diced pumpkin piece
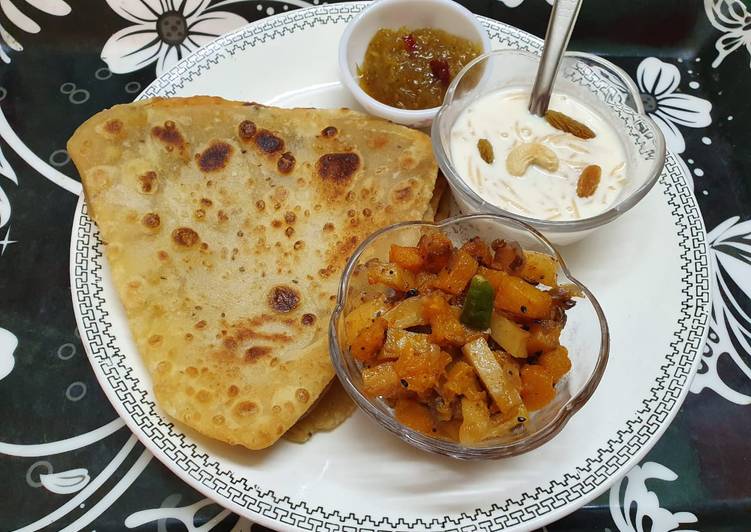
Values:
[(539, 268), (408, 313), (450, 429), (391, 275), (422, 370), (475, 421), (370, 340), (406, 257), (398, 341), (479, 250), (414, 415), (510, 336), (508, 257), (517, 296), (436, 250), (543, 336), (556, 362), (537, 387), (444, 321), (425, 281), (491, 374), (457, 274), (381, 380), (364, 315), (461, 380)]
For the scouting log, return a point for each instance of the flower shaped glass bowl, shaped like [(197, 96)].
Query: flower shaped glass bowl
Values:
[(585, 335), (592, 80)]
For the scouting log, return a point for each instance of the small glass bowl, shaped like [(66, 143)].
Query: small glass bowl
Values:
[(585, 335), (590, 79)]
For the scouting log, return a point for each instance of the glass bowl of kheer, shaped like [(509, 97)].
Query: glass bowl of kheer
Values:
[(591, 158)]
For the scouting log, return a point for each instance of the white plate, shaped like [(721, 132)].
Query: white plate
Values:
[(649, 270)]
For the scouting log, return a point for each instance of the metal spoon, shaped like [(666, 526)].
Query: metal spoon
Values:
[(560, 26)]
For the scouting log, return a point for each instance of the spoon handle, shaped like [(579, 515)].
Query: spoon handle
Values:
[(560, 26)]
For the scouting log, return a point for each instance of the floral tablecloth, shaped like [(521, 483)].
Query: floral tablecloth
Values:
[(68, 463)]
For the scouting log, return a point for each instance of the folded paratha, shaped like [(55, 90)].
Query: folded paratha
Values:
[(226, 226)]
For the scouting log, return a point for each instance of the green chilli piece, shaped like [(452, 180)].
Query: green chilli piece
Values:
[(478, 305)]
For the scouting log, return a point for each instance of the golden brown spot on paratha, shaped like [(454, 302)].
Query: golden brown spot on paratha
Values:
[(276, 409), (286, 163), (200, 214), (230, 343), (276, 224), (329, 132), (302, 395), (215, 157), (164, 366), (169, 135), (367, 212), (204, 396), (351, 213), (222, 216), (289, 231), (200, 324), (245, 408), (298, 245), (246, 130), (378, 141), (185, 236), (206, 202), (328, 227), (113, 126), (256, 352), (290, 217), (268, 142), (283, 298), (163, 255), (192, 371), (408, 163), (232, 390), (151, 220), (218, 419), (337, 167), (403, 195), (155, 339), (148, 183), (308, 319), (260, 205)]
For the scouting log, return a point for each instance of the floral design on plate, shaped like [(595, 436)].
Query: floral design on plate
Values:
[(163, 31), (730, 328), (636, 494), (731, 17), (658, 82), (25, 23)]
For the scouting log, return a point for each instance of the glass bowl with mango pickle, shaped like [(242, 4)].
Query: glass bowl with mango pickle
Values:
[(467, 338)]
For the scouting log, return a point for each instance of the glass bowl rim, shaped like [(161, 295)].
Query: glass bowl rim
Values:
[(551, 226), (455, 449)]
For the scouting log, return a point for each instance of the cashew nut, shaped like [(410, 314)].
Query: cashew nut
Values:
[(523, 155)]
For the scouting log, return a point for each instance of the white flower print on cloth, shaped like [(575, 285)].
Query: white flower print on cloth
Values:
[(730, 326), (731, 17), (24, 22), (658, 82), (637, 494), (164, 31)]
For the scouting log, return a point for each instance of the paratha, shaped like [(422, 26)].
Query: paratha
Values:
[(226, 226), (331, 410)]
